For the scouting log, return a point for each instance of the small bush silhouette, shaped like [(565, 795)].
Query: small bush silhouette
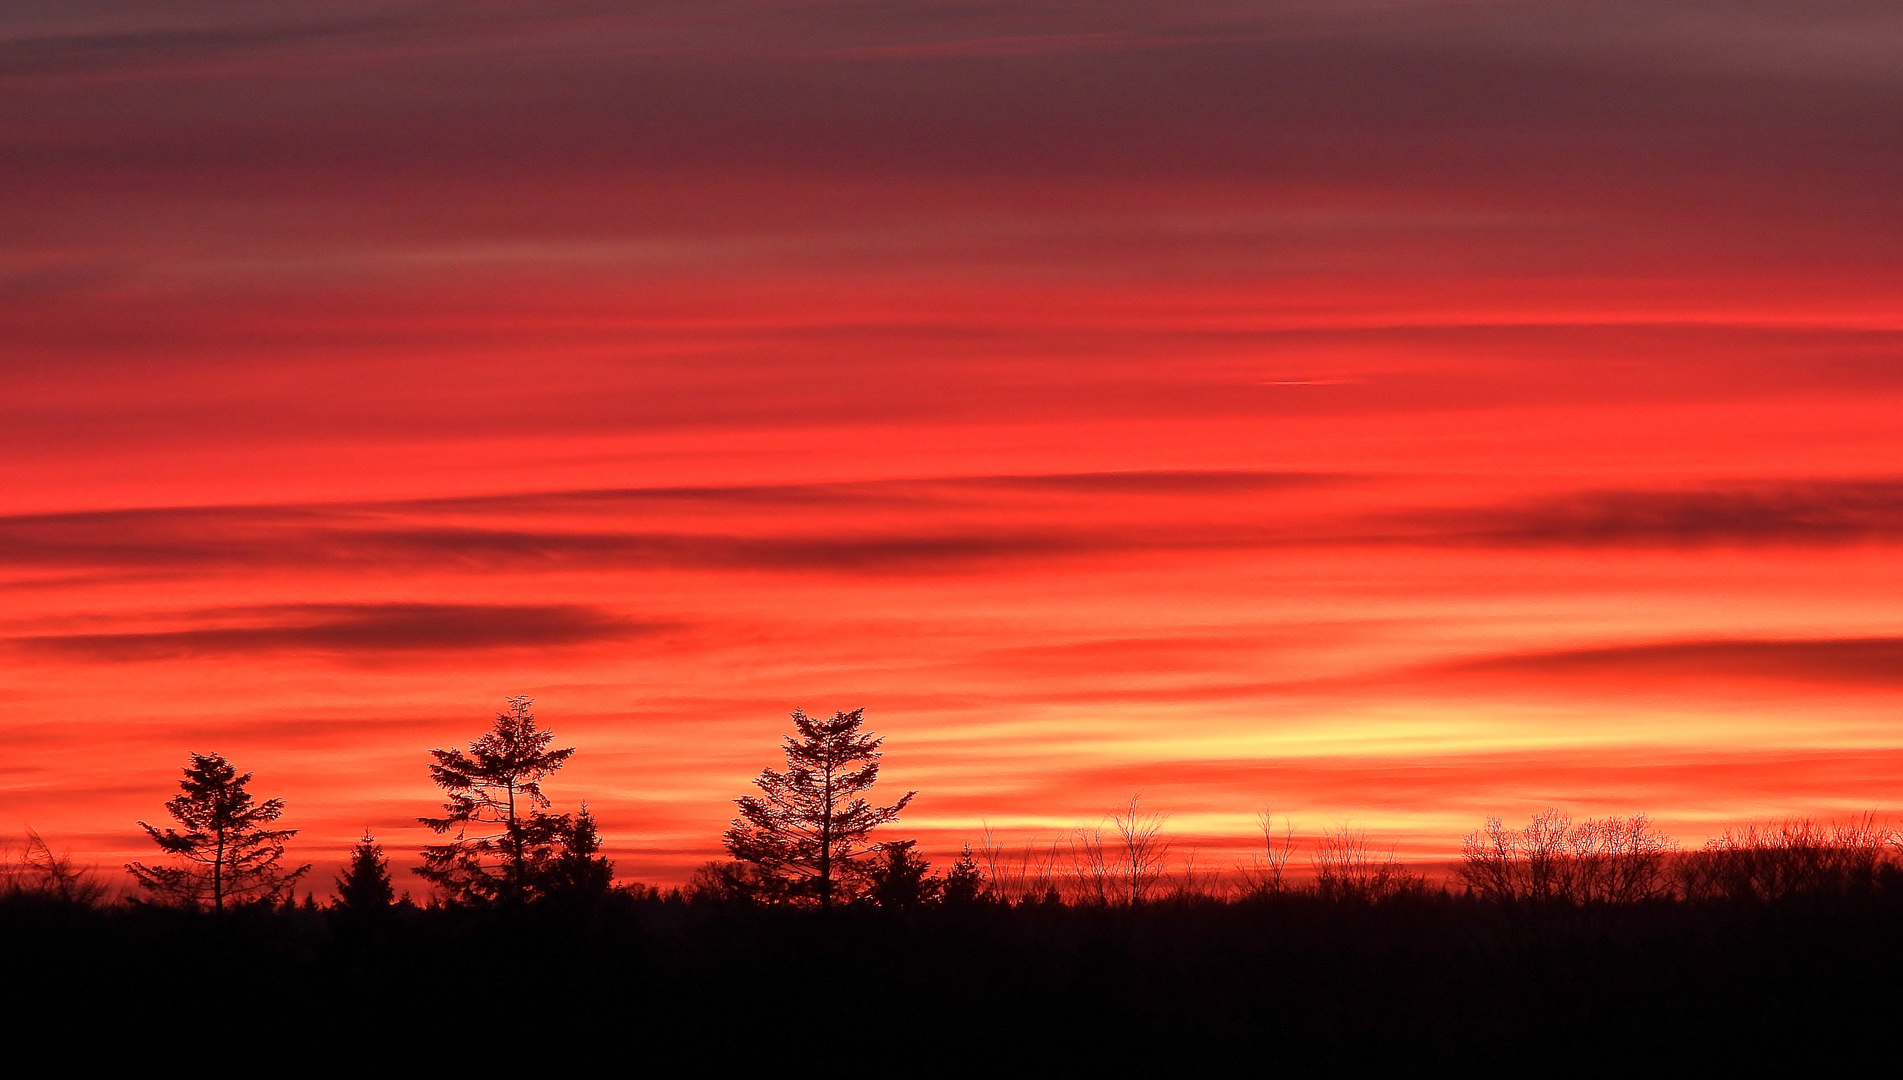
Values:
[(41, 874), (1606, 860), (1345, 869), (1799, 857)]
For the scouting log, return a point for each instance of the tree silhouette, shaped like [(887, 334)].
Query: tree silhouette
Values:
[(579, 872), (226, 855), (43, 875), (497, 782), (1145, 853), (964, 882), (809, 824), (365, 885), (902, 878)]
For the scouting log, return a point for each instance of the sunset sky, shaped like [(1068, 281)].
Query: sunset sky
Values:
[(1392, 413)]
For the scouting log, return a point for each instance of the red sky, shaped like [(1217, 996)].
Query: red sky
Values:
[(1393, 413)]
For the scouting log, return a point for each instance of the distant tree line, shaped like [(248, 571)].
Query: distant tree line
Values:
[(1595, 945), (805, 838)]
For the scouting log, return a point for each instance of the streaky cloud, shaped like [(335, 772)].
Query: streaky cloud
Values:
[(1850, 661), (1811, 513), (352, 629)]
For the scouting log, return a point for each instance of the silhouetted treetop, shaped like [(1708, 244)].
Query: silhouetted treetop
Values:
[(579, 873), (365, 885), (810, 822), (964, 882), (496, 783), (225, 853), (902, 878)]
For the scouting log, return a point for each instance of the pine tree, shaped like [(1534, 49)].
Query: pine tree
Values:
[(809, 824), (497, 782), (365, 885), (964, 882), (579, 873), (226, 855), (902, 878)]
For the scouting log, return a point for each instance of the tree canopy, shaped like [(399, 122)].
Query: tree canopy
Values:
[(497, 783), (810, 823), (365, 885), (225, 855)]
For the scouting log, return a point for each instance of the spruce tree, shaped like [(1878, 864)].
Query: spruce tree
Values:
[(579, 873), (964, 882), (496, 783), (809, 825), (365, 885), (226, 855), (901, 877)]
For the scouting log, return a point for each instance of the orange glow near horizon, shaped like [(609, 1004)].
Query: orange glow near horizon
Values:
[(1391, 415)]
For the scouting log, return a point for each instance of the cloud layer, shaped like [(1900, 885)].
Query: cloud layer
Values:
[(1385, 408)]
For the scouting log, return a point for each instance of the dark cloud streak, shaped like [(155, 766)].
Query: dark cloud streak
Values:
[(923, 525), (1850, 661), (353, 629), (1794, 514)]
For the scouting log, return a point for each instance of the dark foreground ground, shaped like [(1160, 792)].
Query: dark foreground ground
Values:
[(1293, 985)]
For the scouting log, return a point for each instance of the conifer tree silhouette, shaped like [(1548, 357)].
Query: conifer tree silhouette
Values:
[(809, 824), (365, 885), (901, 877), (497, 782), (964, 882), (579, 873), (226, 854)]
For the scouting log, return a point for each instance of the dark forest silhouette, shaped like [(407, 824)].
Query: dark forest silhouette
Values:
[(1601, 939), (808, 838)]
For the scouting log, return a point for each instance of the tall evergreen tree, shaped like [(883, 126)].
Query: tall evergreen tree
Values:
[(365, 885), (496, 783), (809, 824), (226, 855)]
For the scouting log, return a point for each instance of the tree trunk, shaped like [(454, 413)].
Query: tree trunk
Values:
[(218, 875)]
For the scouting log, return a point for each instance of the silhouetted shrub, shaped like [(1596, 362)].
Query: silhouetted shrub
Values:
[(901, 878), (1346, 870), (40, 874), (1799, 857), (1607, 860)]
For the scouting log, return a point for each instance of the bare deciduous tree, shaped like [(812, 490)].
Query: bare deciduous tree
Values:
[(1144, 855), (1552, 860), (42, 874), (1192, 884), (1093, 876), (1265, 874), (1346, 870), (1799, 857)]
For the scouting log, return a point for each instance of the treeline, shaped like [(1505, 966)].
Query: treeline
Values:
[(1567, 946), (806, 839)]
